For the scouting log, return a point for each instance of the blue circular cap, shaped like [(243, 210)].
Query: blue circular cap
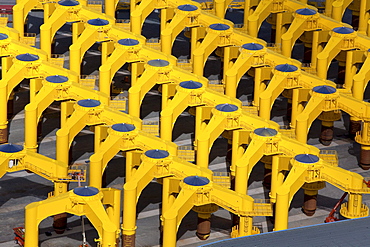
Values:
[(3, 36), (324, 89), (122, 127), (10, 148), (306, 158), (157, 154), (286, 68), (196, 181), (56, 79), (68, 3), (86, 191), (226, 107), (158, 63), (128, 42), (27, 57), (265, 132), (98, 22), (306, 11), (88, 103), (187, 7), (191, 84), (252, 46), (219, 27), (343, 30)]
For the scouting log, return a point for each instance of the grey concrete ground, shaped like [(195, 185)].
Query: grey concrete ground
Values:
[(21, 188)]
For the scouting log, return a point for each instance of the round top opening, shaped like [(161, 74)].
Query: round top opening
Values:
[(3, 36), (286, 68), (252, 46), (324, 89), (128, 42), (68, 3), (157, 154), (10, 148), (27, 57), (86, 191), (158, 63), (56, 79), (219, 27), (191, 84), (306, 11), (98, 22), (343, 30), (187, 7), (196, 181), (226, 107), (265, 132), (306, 158), (88, 103), (123, 127)]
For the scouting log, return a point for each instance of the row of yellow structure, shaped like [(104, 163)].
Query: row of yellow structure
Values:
[(251, 135)]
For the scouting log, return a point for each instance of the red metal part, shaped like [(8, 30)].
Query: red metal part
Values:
[(6, 9), (19, 235), (331, 217), (367, 183)]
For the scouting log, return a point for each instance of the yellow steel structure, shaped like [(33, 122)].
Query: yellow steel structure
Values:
[(252, 138)]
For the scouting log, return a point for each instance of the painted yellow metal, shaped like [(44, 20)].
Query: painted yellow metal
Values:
[(238, 125)]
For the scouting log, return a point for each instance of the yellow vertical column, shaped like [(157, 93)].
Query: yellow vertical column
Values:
[(6, 63), (297, 107), (96, 167), (193, 41), (30, 128), (3, 115), (169, 229), (350, 70), (77, 28), (66, 109), (115, 211), (281, 210), (362, 26), (277, 177), (129, 214), (30, 223), (316, 48), (259, 86), (237, 152)]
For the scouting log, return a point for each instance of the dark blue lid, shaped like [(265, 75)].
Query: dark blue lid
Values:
[(196, 181), (191, 84), (123, 127), (226, 107), (286, 68), (27, 57), (306, 11), (68, 3), (306, 158), (157, 154), (3, 36), (324, 89), (56, 79), (343, 30), (265, 132), (158, 63), (88, 103), (219, 27), (86, 191), (10, 148), (187, 7), (252, 46), (128, 42), (98, 22)]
